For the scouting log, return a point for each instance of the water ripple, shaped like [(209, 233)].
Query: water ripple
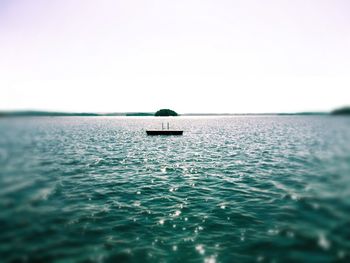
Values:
[(234, 188)]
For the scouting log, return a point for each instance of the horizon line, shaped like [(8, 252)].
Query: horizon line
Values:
[(144, 113)]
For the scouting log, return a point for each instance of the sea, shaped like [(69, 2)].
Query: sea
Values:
[(231, 189)]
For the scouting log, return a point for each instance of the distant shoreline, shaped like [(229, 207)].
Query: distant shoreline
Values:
[(139, 114)]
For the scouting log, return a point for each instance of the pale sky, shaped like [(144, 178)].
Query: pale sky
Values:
[(190, 56)]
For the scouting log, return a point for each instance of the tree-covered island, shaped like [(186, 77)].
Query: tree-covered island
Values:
[(165, 112)]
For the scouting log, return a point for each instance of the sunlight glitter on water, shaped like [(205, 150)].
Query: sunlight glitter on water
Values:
[(250, 189)]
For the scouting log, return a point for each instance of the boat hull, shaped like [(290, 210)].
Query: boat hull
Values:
[(164, 132)]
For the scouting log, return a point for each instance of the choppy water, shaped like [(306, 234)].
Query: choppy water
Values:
[(231, 189)]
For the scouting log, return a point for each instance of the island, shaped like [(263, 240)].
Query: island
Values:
[(165, 113)]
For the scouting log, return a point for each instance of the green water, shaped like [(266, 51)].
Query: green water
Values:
[(231, 189)]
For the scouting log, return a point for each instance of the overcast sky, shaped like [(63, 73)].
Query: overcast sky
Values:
[(191, 56)]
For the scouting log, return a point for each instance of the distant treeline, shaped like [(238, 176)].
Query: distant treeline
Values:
[(140, 114), (64, 114), (341, 111), (254, 114)]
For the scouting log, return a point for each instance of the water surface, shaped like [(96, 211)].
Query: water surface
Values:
[(231, 189)]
